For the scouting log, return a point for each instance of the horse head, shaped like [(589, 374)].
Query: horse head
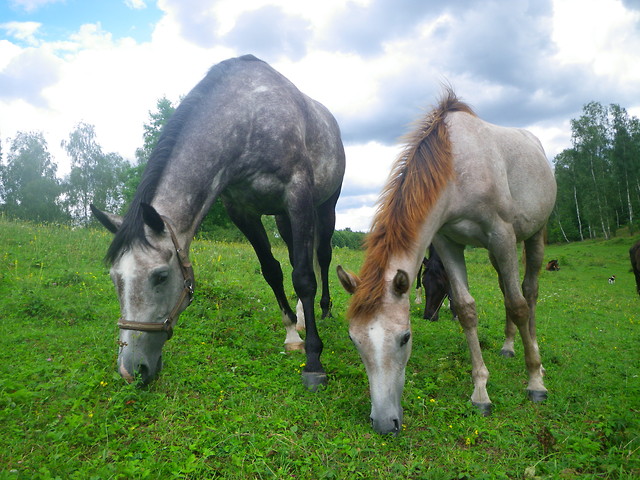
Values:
[(383, 340), (154, 284), (436, 285)]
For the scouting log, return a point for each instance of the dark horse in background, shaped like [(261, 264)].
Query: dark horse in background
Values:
[(634, 254), (246, 134), (552, 266), (433, 277)]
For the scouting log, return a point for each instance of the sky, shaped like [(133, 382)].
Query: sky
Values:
[(377, 65)]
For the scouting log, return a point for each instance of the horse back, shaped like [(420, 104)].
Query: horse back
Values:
[(499, 170), (251, 134)]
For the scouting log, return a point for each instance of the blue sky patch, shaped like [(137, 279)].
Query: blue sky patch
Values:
[(59, 20)]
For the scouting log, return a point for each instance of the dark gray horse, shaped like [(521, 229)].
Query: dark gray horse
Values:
[(248, 135)]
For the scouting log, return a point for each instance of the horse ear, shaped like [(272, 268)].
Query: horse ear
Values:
[(348, 280), (152, 218), (110, 221), (401, 283)]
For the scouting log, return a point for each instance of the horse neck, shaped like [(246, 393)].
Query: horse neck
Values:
[(185, 195), (412, 259)]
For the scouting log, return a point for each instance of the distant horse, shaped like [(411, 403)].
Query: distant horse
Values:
[(459, 181), (246, 134), (634, 254), (552, 266), (433, 277)]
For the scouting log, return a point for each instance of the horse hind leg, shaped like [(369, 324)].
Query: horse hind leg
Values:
[(302, 217), (534, 248), (326, 222), (508, 347), (252, 228), (284, 227), (517, 306)]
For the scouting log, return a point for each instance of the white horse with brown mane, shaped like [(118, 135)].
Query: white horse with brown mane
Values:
[(459, 181)]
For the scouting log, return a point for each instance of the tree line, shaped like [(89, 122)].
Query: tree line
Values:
[(598, 177), (30, 188)]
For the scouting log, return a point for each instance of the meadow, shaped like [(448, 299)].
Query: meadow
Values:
[(230, 404)]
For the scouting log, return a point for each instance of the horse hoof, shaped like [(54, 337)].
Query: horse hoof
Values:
[(485, 408), (314, 380), (507, 353), (294, 347), (537, 396)]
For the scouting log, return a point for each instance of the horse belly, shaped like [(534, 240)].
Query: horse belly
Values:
[(264, 196)]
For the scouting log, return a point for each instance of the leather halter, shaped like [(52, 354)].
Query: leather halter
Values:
[(187, 292)]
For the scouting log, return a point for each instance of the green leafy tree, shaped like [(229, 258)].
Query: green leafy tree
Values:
[(348, 239), (152, 131), (30, 188), (625, 159), (591, 140), (95, 177), (566, 221), (599, 177)]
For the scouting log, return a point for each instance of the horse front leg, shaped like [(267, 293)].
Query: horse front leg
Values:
[(452, 256)]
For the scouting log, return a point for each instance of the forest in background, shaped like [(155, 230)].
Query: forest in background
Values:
[(598, 179)]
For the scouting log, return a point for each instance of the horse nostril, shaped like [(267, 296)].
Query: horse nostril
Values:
[(142, 373), (396, 425)]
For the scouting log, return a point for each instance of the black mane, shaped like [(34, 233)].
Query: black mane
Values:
[(132, 229)]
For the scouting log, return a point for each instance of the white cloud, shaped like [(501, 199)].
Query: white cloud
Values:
[(532, 65), (24, 31), (31, 5), (357, 219), (136, 4), (27, 74), (368, 165)]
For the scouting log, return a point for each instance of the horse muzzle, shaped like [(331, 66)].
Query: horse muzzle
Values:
[(140, 356), (143, 372), (387, 424)]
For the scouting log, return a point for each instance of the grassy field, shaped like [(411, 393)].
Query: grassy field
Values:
[(230, 404)]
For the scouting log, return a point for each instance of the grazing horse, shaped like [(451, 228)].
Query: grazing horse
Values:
[(552, 266), (246, 134), (634, 254), (459, 181), (435, 281)]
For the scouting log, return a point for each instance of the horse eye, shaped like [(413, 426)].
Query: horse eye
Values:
[(405, 339), (159, 278)]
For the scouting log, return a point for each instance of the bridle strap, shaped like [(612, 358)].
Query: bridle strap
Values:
[(187, 293)]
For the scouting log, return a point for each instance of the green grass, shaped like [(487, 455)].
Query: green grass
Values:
[(230, 404)]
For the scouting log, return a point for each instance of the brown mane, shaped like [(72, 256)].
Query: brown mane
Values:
[(416, 180)]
